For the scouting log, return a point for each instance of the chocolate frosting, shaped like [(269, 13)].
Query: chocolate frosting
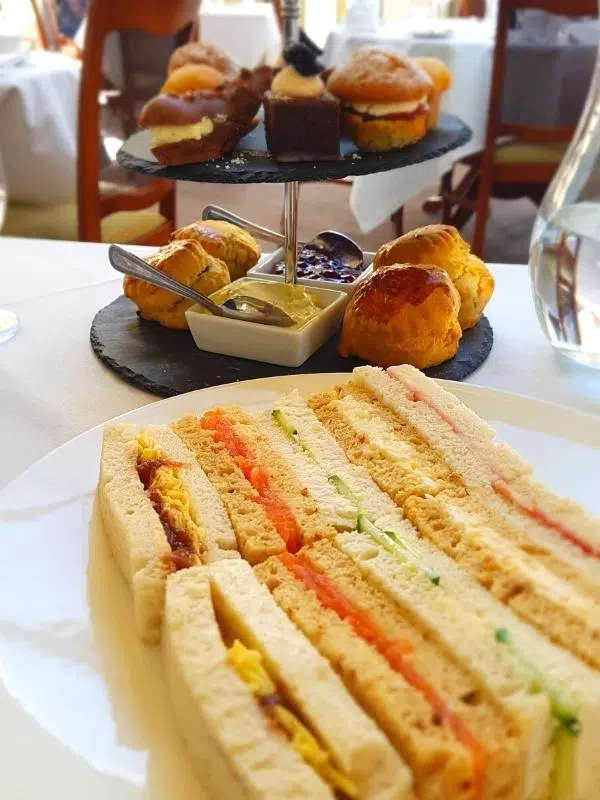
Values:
[(236, 101)]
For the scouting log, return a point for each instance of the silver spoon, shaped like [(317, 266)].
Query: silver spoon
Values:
[(331, 243), (248, 309)]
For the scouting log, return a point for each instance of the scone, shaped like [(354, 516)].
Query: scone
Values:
[(403, 314), (231, 244), (441, 79), (202, 53), (189, 263), (443, 246), (385, 99)]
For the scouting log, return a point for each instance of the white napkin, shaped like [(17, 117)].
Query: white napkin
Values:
[(541, 27), (362, 16)]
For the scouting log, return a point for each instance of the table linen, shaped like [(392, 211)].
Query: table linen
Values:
[(52, 386)]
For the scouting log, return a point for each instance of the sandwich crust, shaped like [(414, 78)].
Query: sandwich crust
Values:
[(379, 76), (230, 741)]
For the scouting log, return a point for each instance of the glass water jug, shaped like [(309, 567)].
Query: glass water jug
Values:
[(564, 258)]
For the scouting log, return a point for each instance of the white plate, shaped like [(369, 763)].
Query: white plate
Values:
[(83, 712)]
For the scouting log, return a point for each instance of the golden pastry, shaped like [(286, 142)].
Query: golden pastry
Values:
[(443, 246), (232, 244), (192, 78), (441, 79), (403, 314), (202, 53), (384, 99), (189, 263)]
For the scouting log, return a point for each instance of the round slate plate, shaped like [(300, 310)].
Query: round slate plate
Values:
[(167, 362), (251, 163)]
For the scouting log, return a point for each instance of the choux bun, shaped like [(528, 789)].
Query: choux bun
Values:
[(202, 53), (187, 261), (403, 314), (443, 246), (441, 79)]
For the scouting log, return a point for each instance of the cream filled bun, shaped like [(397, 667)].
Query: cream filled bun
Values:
[(385, 99)]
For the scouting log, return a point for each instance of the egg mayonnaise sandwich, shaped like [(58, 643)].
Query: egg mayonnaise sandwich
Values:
[(474, 499), (160, 514), (262, 712)]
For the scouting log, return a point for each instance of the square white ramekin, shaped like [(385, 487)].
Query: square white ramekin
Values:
[(261, 270), (287, 347)]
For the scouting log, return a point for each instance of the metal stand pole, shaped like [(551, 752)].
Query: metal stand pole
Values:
[(291, 20), (290, 229)]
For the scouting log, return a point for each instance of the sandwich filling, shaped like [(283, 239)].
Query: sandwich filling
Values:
[(388, 111), (249, 665), (499, 481), (172, 134), (161, 481), (277, 510), (396, 653)]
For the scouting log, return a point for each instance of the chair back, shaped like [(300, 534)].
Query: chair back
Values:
[(131, 21), (506, 9), (47, 23)]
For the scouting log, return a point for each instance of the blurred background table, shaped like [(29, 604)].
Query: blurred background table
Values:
[(248, 32), (546, 84), (38, 127)]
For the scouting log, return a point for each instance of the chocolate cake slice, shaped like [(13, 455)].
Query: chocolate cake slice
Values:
[(302, 128)]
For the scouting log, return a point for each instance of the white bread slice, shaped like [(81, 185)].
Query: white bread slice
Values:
[(310, 684), (229, 739), (337, 510), (133, 527), (330, 456), (467, 444), (465, 617)]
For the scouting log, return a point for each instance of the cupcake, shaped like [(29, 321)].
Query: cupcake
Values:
[(385, 99), (302, 119)]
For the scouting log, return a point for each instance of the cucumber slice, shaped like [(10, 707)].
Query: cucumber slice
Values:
[(392, 544), (342, 488), (285, 425), (565, 719)]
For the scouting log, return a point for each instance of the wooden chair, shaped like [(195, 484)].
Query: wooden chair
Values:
[(48, 29), (97, 201), (517, 160), (113, 205)]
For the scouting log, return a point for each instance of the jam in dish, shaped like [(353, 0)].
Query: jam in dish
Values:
[(317, 266)]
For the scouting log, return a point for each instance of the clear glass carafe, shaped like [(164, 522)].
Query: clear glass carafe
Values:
[(564, 259)]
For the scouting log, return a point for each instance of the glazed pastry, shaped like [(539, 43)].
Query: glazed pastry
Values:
[(443, 246), (227, 242), (302, 119), (441, 79), (189, 263), (385, 99), (192, 78), (202, 53), (403, 314), (199, 126)]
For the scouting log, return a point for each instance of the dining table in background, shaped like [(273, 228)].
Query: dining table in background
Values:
[(248, 31), (38, 127), (52, 386), (545, 85)]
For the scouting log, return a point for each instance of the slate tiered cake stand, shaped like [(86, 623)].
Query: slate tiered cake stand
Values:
[(167, 362)]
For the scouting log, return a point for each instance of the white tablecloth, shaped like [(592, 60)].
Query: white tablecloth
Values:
[(38, 127), (52, 387), (247, 32)]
